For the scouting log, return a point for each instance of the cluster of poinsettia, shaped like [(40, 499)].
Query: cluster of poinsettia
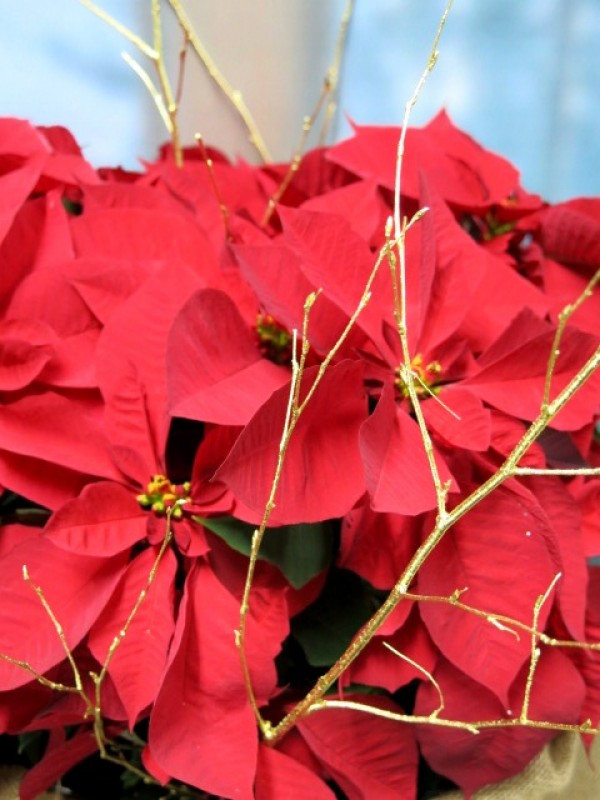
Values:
[(145, 347)]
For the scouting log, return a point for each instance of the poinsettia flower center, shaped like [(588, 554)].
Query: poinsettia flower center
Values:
[(162, 495), (274, 340), (427, 376), (484, 229)]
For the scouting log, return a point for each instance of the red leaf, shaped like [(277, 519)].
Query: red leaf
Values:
[(360, 204), (571, 236), (60, 756), (472, 429), (588, 499), (512, 374), (280, 776), (338, 261), (471, 276), (42, 482), (131, 359), (564, 516), (148, 235), (499, 552), (463, 172), (563, 285), (76, 588), (378, 666), (368, 756), (274, 273), (41, 426), (494, 755), (378, 546), (322, 476), (202, 729), (139, 661), (216, 372), (396, 467), (26, 346), (14, 189), (104, 520)]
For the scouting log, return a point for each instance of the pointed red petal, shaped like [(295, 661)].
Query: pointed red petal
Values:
[(61, 755), (367, 756), (76, 588), (280, 776), (104, 520), (494, 755), (216, 372), (467, 424), (322, 476), (396, 467), (138, 663), (513, 538), (512, 374), (202, 729)]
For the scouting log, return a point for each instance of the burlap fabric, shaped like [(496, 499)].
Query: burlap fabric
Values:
[(562, 771)]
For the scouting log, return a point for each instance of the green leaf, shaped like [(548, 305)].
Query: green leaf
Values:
[(300, 551), (326, 628)]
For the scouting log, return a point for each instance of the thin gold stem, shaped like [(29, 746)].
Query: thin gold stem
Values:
[(501, 621), (400, 590), (587, 471), (425, 672), (132, 37), (535, 649), (214, 185), (563, 318), (328, 93), (163, 99), (472, 727), (165, 84), (233, 95), (59, 687), (258, 535), (57, 627), (153, 91), (307, 125), (333, 75), (398, 274)]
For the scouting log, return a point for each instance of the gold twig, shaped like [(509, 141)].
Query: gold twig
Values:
[(258, 535), (152, 89), (58, 628), (214, 185), (165, 84), (307, 125), (502, 622), (59, 687), (165, 102), (563, 318), (400, 589), (333, 74), (587, 471), (425, 672), (535, 649), (398, 271), (233, 95), (474, 727), (132, 37), (329, 90)]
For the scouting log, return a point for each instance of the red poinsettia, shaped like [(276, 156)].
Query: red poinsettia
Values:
[(146, 341)]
